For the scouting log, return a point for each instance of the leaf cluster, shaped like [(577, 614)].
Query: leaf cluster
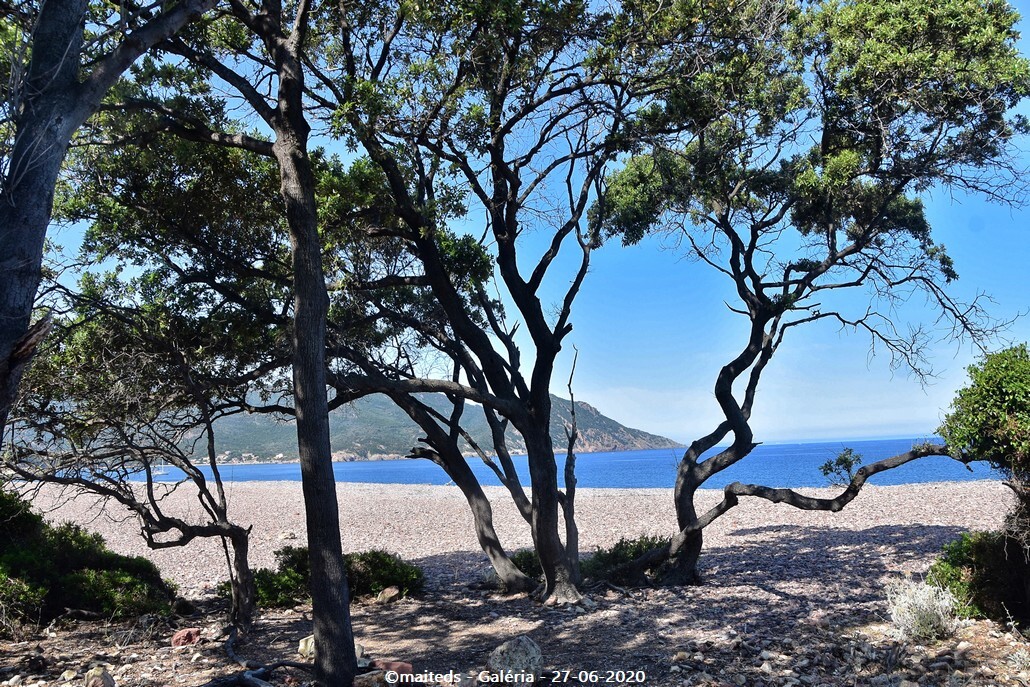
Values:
[(989, 419)]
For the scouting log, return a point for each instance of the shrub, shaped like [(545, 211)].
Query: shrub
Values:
[(606, 562), (17, 521), (20, 603), (986, 572), (528, 562), (368, 573), (920, 610), (45, 569), (278, 589)]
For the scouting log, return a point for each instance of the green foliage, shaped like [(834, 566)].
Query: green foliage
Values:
[(986, 572), (605, 563), (528, 561), (17, 521), (278, 588), (841, 470), (990, 418), (20, 603), (45, 569), (368, 573)]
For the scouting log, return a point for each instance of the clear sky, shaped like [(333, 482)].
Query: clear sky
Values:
[(652, 332)]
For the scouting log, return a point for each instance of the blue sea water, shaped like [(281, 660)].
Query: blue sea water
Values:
[(775, 465)]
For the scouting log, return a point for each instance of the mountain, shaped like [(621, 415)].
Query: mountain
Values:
[(373, 428)]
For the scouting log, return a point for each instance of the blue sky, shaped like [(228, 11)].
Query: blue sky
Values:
[(652, 333)]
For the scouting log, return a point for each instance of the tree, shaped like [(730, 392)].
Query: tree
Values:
[(221, 248), (113, 398), (246, 48), (795, 165), (516, 108), (57, 77), (989, 420)]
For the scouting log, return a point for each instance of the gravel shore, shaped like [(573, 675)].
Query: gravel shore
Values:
[(890, 529)]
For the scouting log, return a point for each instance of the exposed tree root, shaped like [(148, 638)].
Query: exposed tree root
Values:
[(255, 674)]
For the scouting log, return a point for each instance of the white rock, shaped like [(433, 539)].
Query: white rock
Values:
[(519, 656)]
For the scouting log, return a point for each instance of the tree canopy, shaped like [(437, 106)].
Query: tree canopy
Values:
[(990, 417)]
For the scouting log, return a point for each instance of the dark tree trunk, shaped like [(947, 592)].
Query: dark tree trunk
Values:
[(511, 578), (335, 664), (52, 104), (559, 577), (244, 593), (48, 117), (683, 563)]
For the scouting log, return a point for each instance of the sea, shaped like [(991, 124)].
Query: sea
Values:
[(775, 465)]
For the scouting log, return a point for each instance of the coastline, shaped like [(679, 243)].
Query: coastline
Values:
[(432, 524)]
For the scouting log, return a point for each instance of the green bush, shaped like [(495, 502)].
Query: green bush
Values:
[(368, 573), (45, 569), (20, 603), (605, 563), (278, 588), (17, 521), (987, 572), (528, 562)]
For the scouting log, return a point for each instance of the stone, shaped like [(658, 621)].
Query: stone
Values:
[(373, 679), (767, 655), (389, 595), (15, 680), (69, 675), (99, 677), (399, 667), (187, 636), (359, 650), (680, 657), (306, 647), (517, 658)]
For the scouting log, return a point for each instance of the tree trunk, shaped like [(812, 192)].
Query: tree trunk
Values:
[(335, 664), (47, 118), (511, 578), (244, 593), (559, 577), (683, 564), (51, 104)]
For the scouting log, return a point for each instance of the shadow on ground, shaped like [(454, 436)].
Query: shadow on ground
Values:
[(778, 583)]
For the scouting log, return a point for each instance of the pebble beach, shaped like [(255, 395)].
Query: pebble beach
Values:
[(901, 527)]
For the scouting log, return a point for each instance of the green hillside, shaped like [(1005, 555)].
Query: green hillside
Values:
[(373, 428)]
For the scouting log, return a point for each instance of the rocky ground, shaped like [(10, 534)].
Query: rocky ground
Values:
[(790, 599)]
